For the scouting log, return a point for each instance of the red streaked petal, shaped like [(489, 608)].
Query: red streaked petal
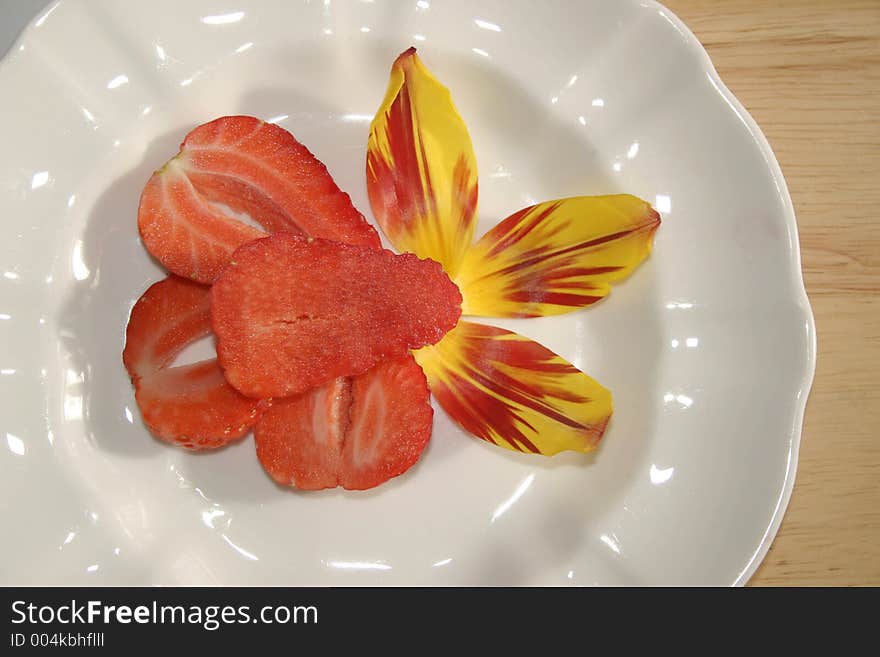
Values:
[(513, 392), (556, 256), (421, 169)]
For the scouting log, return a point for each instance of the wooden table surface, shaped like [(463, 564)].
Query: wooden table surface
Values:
[(808, 71)]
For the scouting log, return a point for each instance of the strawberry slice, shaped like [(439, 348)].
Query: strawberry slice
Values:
[(170, 315), (191, 405), (180, 228), (299, 439), (356, 433), (390, 425), (291, 313), (240, 164)]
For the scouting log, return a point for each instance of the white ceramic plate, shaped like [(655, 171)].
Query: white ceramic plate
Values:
[(708, 348)]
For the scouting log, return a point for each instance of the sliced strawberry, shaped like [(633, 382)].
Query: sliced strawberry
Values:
[(242, 150), (291, 313), (182, 230), (299, 439), (170, 315), (192, 405), (251, 167), (391, 418), (354, 433)]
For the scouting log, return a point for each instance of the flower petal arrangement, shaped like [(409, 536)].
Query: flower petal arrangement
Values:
[(329, 346), (550, 258)]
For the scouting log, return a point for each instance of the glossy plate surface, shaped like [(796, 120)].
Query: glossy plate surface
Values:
[(708, 348)]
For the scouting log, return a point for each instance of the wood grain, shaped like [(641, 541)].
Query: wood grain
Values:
[(809, 73)]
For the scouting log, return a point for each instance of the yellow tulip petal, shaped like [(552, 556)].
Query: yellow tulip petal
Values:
[(513, 392), (556, 256), (421, 170)]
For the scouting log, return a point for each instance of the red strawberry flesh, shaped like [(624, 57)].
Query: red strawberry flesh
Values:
[(291, 313), (355, 433), (390, 425), (190, 405), (299, 439), (170, 315), (251, 167)]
